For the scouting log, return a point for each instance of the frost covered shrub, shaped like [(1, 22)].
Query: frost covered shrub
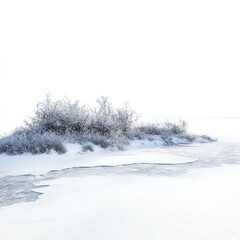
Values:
[(88, 147), (66, 117), (108, 121), (126, 118), (207, 138), (151, 129), (167, 128), (136, 133), (60, 117), (188, 137), (103, 118), (121, 141), (101, 140), (25, 141), (175, 128)]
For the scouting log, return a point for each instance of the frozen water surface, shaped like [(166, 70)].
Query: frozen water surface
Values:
[(24, 188)]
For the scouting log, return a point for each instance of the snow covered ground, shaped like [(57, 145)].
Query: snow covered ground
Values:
[(171, 193), (200, 205)]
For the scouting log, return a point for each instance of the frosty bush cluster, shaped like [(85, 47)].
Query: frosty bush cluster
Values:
[(163, 129), (66, 117), (56, 122), (25, 141)]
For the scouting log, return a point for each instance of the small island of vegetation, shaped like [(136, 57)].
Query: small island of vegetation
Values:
[(56, 123)]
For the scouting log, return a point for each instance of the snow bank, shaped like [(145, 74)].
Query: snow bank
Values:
[(137, 152)]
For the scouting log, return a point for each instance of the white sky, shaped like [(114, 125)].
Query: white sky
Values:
[(167, 58)]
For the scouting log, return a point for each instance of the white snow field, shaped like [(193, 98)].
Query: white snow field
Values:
[(200, 205), (187, 192)]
